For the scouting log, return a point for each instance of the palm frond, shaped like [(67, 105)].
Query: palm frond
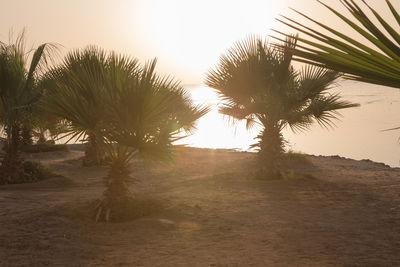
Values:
[(378, 65), (391, 129), (324, 108)]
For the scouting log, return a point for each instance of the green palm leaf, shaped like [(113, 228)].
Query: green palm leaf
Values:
[(343, 53)]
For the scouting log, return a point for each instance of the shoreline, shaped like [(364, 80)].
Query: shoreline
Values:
[(79, 147)]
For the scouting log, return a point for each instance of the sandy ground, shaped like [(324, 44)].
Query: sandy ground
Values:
[(333, 212)]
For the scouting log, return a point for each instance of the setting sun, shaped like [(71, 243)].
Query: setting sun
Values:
[(191, 35)]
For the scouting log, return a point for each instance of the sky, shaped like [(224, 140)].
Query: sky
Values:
[(186, 36)]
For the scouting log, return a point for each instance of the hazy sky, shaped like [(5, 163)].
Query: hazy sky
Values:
[(187, 36)]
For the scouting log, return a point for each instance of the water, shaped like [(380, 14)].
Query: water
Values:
[(358, 134)]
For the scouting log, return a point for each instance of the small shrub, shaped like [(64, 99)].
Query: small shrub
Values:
[(292, 165), (34, 171), (131, 209), (294, 158), (44, 148), (260, 174), (291, 174), (136, 207)]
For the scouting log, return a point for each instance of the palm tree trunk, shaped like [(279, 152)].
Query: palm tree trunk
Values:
[(42, 138), (271, 149), (26, 134), (92, 152), (11, 169), (115, 197)]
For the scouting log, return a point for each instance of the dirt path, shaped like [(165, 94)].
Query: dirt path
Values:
[(338, 212)]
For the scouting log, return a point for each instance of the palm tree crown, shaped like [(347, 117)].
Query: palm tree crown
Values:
[(147, 111), (76, 92)]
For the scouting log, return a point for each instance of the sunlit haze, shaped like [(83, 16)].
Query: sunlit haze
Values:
[(186, 36)]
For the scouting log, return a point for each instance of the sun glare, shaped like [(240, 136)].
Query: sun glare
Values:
[(215, 130), (193, 34)]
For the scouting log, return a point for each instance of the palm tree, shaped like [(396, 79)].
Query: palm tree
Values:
[(146, 114), (18, 96), (375, 60), (257, 83), (75, 91), (127, 108)]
